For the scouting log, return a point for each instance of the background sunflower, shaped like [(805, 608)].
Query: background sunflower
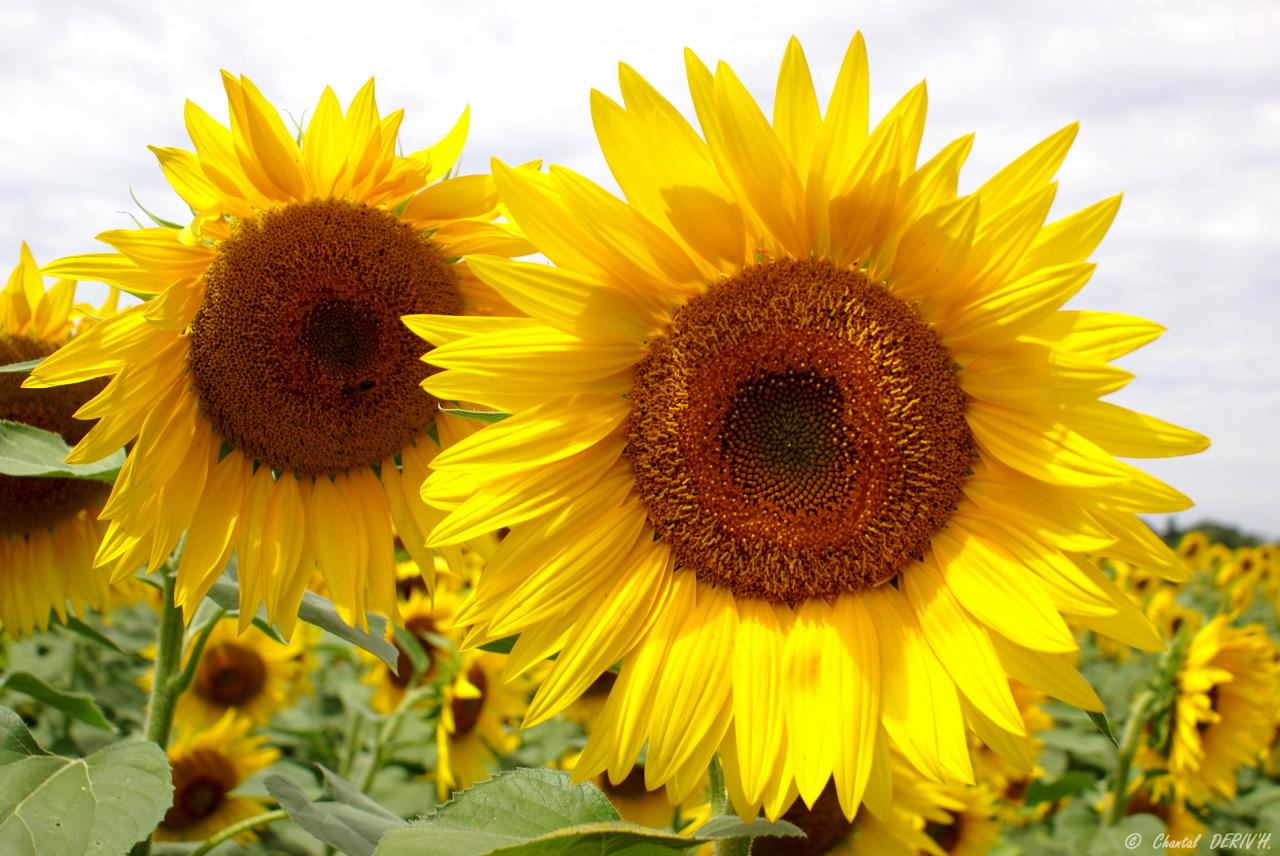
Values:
[(49, 527)]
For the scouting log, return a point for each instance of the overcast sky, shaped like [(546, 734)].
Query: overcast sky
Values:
[(1179, 104)]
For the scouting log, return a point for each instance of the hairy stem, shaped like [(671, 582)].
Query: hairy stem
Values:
[(164, 689), (1124, 760), (719, 807)]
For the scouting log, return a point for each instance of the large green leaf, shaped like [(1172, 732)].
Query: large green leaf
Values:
[(29, 452), (80, 706), (319, 611), (536, 812), (350, 822), (98, 806)]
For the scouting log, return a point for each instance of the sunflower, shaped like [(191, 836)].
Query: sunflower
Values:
[(477, 711), (248, 674), (269, 391), (49, 528), (1192, 549), (208, 764), (429, 619), (792, 417), (1224, 715)]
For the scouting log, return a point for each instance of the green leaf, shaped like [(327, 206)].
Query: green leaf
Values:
[(1104, 725), (318, 611), (350, 822), (79, 628), (1066, 785), (99, 806), (501, 646), (21, 368), (536, 812), (28, 451), (478, 415), (79, 706), (159, 221)]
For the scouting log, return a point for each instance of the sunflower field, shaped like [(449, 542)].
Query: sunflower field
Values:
[(775, 506)]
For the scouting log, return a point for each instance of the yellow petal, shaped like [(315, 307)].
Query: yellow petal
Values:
[(963, 646), (992, 585), (757, 694), (1054, 674), (796, 117), (609, 624), (1099, 336), (690, 699), (811, 679), (1028, 173), (1131, 434), (574, 304), (763, 171), (324, 145), (858, 699)]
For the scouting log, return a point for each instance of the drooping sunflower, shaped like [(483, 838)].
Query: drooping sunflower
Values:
[(208, 765), (249, 674), (269, 390), (794, 416), (49, 528), (478, 712), (1224, 716)]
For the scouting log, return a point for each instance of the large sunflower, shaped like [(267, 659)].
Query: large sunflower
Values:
[(269, 390), (49, 528), (794, 417)]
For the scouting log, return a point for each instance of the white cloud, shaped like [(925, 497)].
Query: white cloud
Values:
[(1179, 105)]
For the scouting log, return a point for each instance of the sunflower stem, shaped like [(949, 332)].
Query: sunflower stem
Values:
[(168, 657), (1128, 748), (235, 829), (164, 692), (720, 806), (183, 680)]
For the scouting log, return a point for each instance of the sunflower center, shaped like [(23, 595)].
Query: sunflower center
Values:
[(798, 433), (201, 782), (230, 674), (946, 835), (298, 354), (631, 787), (824, 826), (30, 504), (466, 711), (422, 627)]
